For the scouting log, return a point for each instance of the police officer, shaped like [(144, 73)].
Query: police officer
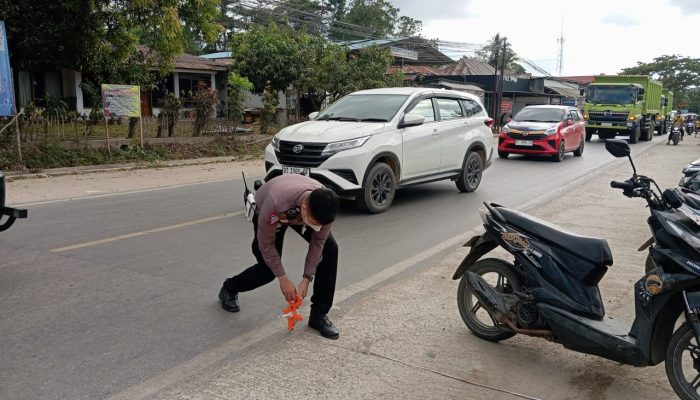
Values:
[(679, 121), (308, 208)]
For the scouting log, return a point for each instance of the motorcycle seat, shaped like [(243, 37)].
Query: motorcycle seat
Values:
[(595, 250), (691, 201)]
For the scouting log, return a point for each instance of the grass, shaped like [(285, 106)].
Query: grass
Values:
[(43, 156)]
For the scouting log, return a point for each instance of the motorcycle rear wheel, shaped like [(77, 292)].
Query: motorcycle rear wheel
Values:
[(499, 274), (678, 368)]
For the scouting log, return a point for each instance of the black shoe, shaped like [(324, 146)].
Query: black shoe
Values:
[(323, 325), (229, 301)]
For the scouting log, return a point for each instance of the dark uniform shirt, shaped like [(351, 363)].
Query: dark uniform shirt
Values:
[(274, 199)]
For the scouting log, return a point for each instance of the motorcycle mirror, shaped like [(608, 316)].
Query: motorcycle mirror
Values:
[(618, 148)]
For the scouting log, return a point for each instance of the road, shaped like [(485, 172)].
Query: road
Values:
[(100, 294)]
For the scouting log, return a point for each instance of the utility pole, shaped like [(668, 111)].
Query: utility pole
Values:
[(494, 96), (500, 82)]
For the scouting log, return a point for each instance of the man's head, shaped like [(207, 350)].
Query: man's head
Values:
[(320, 207)]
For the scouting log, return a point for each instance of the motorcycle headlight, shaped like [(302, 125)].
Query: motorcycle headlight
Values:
[(337, 147), (275, 143)]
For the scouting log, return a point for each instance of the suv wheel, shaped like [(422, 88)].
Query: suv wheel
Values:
[(378, 190), (470, 177)]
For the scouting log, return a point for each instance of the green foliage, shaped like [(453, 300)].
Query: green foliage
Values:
[(270, 102), (266, 54), (407, 26), (102, 35), (205, 101), (676, 73), (493, 53), (238, 88), (55, 107), (377, 17)]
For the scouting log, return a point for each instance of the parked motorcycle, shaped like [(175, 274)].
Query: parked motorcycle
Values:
[(11, 213), (675, 135), (551, 289), (691, 176)]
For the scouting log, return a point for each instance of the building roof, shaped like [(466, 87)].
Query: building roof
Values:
[(413, 70), (194, 63), (466, 66), (425, 52), (567, 89), (582, 79)]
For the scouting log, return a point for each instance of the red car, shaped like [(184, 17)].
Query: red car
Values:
[(547, 130)]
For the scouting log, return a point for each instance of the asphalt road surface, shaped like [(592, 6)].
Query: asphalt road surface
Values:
[(100, 294)]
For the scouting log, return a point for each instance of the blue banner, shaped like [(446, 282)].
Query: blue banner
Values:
[(6, 94)]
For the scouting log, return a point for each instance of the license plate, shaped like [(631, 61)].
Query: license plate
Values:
[(606, 123), (295, 170), (523, 142)]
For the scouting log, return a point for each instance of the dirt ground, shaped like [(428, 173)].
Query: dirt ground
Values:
[(81, 184)]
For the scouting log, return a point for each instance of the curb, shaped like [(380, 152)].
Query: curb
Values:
[(54, 172)]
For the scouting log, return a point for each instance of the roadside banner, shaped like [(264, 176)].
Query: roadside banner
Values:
[(121, 100), (6, 95)]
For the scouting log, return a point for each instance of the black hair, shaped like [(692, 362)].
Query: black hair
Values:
[(323, 205)]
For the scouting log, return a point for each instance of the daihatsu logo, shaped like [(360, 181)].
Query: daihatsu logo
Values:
[(298, 148), (607, 113)]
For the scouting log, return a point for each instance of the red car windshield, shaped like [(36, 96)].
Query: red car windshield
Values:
[(539, 115)]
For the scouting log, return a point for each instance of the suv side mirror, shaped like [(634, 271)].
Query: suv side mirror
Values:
[(313, 115), (569, 121), (411, 120)]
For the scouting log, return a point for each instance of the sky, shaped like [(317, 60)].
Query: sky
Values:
[(600, 36)]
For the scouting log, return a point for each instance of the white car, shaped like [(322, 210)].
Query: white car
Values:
[(369, 143)]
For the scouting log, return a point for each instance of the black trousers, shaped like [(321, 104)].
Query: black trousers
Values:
[(260, 274)]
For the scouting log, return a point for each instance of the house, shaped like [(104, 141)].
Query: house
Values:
[(190, 72)]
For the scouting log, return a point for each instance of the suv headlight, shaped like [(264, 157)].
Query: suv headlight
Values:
[(505, 129), (336, 147), (551, 131), (275, 143)]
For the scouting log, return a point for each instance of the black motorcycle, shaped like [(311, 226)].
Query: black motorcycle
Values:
[(675, 135), (11, 213), (691, 176), (550, 289)]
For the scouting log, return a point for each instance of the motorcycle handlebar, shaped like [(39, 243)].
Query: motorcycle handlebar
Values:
[(626, 186)]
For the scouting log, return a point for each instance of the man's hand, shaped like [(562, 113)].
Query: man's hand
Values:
[(287, 287), (303, 288)]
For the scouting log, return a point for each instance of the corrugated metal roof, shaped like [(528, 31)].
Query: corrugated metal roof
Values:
[(467, 66), (190, 62), (221, 54), (414, 70)]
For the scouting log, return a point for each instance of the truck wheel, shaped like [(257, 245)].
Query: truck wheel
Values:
[(378, 189), (470, 177), (589, 134), (634, 135), (650, 132)]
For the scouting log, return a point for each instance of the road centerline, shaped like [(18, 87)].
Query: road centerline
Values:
[(143, 233)]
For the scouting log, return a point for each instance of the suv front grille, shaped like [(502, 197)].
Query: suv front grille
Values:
[(310, 155), (608, 116)]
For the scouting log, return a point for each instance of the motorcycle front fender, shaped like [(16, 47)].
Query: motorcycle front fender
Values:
[(480, 245)]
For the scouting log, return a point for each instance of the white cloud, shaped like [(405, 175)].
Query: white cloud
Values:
[(621, 20), (687, 6), (593, 44)]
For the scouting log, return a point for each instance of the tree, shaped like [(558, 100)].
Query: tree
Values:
[(371, 19), (494, 55), (676, 73), (44, 33), (238, 88), (407, 26)]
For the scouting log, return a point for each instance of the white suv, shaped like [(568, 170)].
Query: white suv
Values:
[(371, 142)]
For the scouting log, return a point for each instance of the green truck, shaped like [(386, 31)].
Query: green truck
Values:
[(626, 105)]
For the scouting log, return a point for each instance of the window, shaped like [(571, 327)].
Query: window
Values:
[(575, 116), (425, 108), (449, 109), (471, 107), (364, 107), (537, 114), (189, 84)]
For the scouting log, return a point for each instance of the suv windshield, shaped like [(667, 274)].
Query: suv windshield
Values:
[(610, 94), (364, 107), (539, 115)]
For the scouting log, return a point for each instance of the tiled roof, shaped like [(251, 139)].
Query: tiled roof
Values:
[(190, 62)]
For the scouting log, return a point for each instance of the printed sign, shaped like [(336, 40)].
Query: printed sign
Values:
[(121, 100), (6, 95)]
